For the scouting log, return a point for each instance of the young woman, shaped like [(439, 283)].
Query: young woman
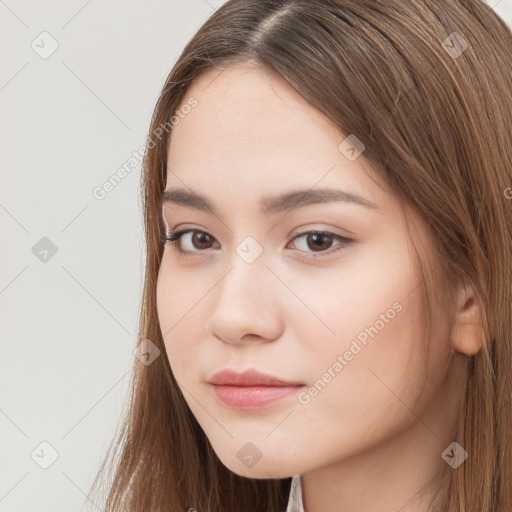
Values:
[(327, 314)]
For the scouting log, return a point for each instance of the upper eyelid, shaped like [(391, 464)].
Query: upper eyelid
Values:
[(179, 207), (166, 227), (293, 234)]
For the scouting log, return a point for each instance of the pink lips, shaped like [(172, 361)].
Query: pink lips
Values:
[(250, 389)]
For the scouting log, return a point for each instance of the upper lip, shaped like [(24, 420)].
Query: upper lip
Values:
[(251, 377)]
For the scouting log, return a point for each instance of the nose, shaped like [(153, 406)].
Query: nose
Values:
[(246, 304)]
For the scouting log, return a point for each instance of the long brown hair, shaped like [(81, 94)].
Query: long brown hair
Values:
[(426, 85)]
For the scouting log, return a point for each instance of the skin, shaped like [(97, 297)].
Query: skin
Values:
[(380, 425)]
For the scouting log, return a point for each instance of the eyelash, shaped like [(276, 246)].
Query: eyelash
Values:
[(175, 236)]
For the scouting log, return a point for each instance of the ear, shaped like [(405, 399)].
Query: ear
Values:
[(467, 330)]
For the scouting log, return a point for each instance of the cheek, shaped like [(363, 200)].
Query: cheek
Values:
[(173, 299), (378, 340), (370, 292), (371, 328), (362, 393)]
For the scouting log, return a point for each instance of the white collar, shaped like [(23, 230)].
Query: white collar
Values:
[(295, 496)]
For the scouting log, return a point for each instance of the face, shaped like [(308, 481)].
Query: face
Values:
[(322, 294)]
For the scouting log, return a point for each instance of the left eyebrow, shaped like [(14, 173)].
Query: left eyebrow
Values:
[(268, 204)]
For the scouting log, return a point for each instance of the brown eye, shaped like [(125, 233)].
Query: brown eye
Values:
[(198, 241), (201, 240), (320, 242)]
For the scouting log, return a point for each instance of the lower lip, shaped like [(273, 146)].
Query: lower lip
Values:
[(252, 397)]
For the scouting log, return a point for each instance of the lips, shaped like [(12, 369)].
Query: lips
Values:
[(250, 377), (250, 389)]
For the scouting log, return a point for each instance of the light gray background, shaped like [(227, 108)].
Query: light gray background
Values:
[(68, 122)]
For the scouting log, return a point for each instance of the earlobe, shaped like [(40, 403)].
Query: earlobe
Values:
[(467, 332)]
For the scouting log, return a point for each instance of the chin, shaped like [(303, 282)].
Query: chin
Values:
[(261, 472), (249, 462)]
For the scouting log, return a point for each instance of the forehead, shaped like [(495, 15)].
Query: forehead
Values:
[(252, 136), (242, 106)]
